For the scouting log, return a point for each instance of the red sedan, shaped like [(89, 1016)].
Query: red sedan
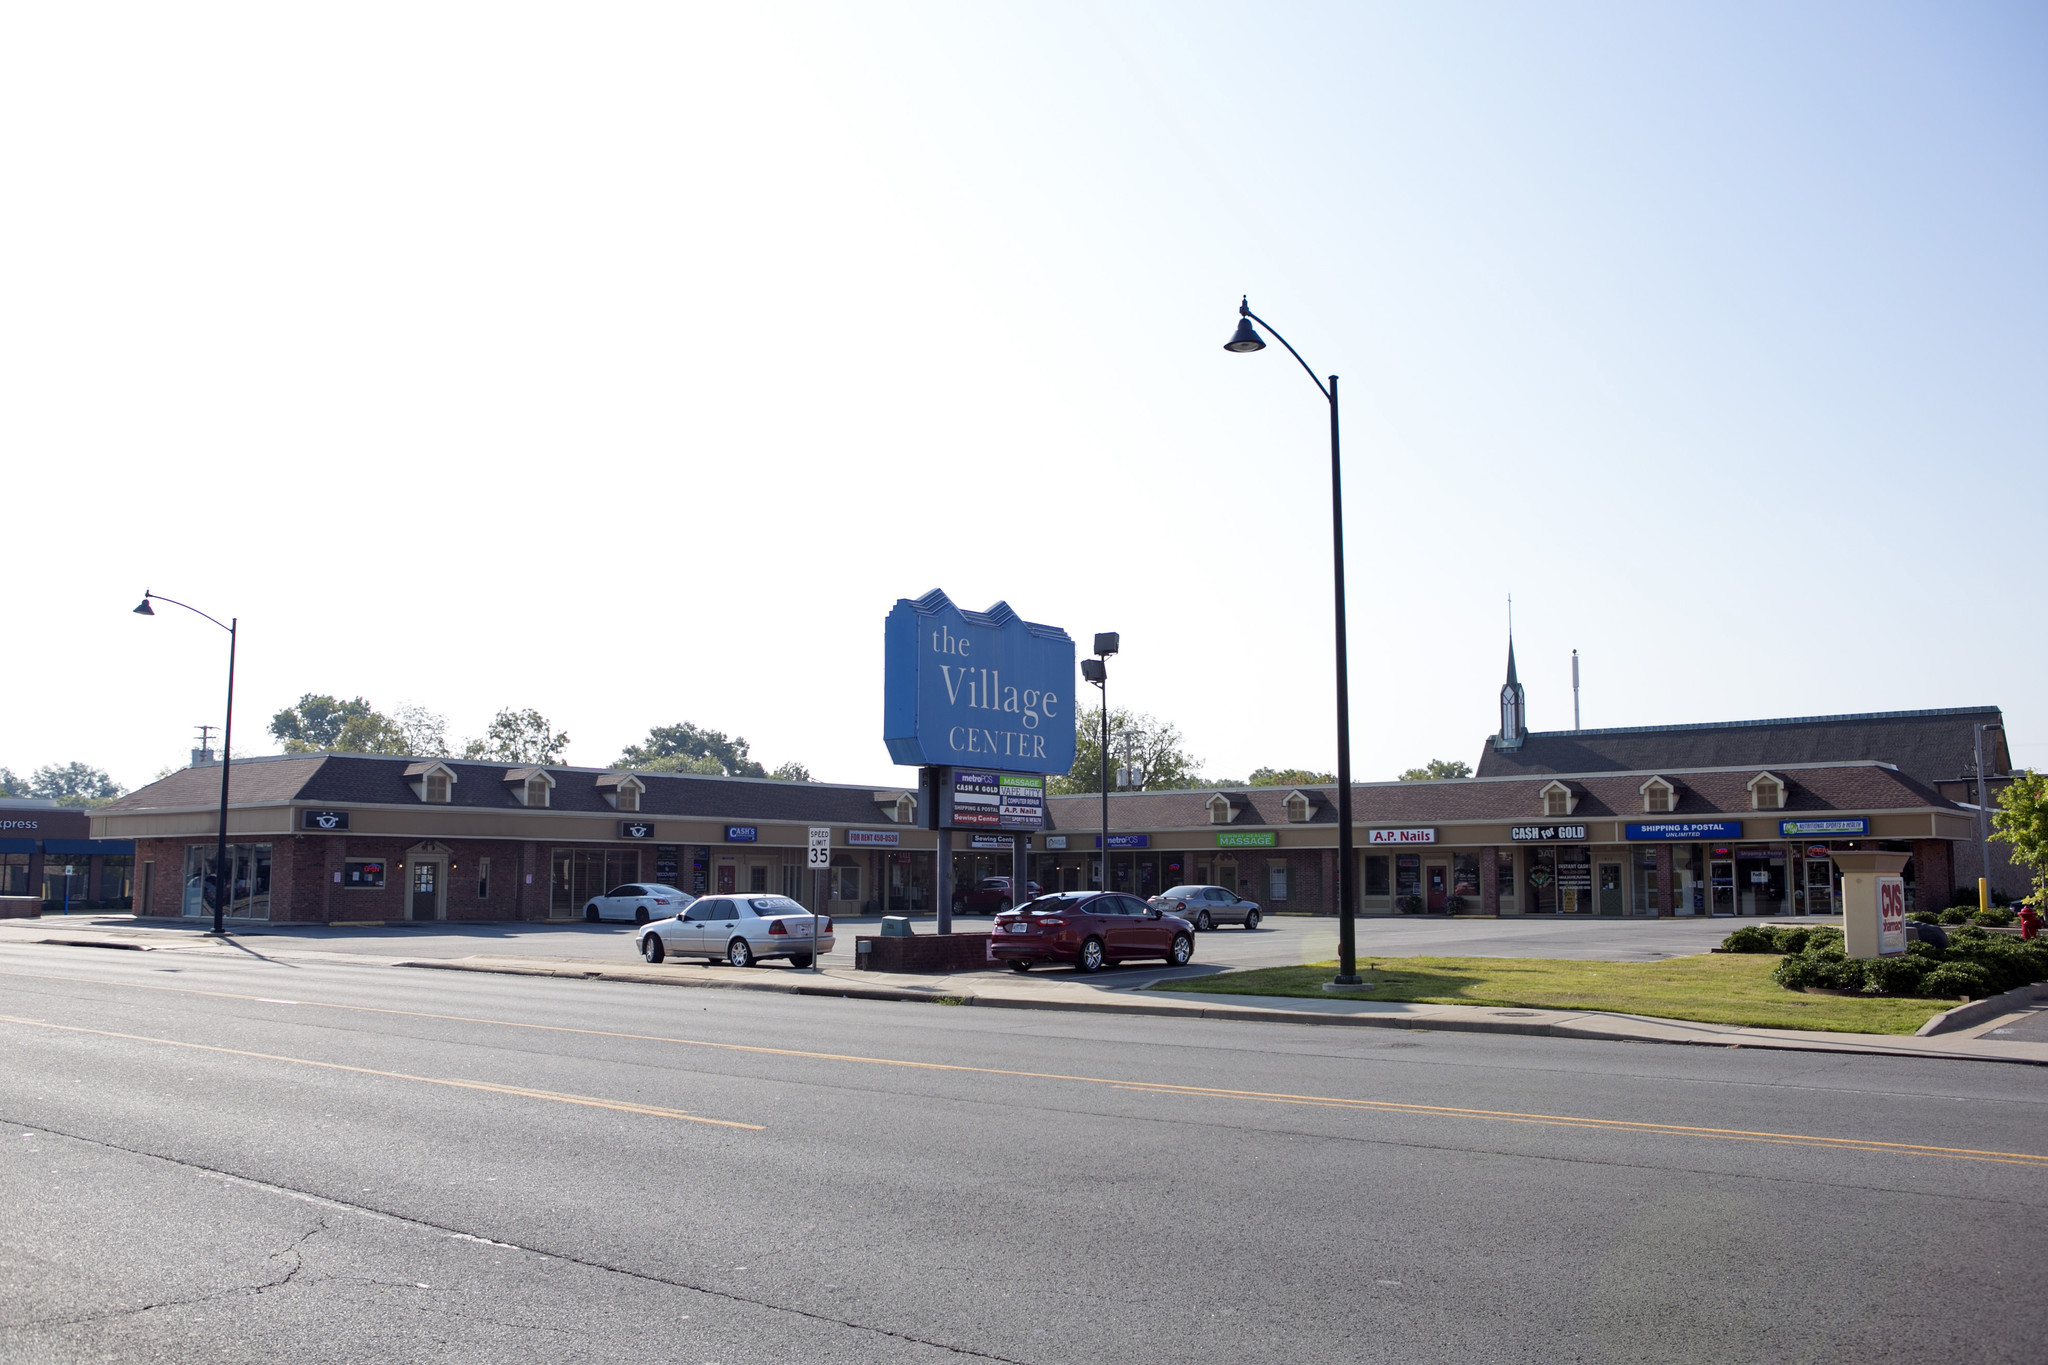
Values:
[(1089, 929)]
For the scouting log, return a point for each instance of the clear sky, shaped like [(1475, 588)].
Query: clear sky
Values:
[(629, 362)]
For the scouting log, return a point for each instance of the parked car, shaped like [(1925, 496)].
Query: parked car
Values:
[(741, 930), (990, 894), (1208, 906), (1089, 929), (638, 903)]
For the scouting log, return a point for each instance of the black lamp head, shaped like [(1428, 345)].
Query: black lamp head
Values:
[(1247, 338), (1093, 671), (145, 609), (1105, 642)]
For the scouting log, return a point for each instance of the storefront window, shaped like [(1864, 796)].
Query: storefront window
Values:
[(247, 884), (64, 881), (14, 874), (117, 877), (1504, 876), (1542, 880), (1376, 874), (1464, 874), (1407, 874), (1574, 881), (578, 874)]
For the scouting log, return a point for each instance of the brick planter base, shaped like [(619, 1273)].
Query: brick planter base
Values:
[(20, 907), (936, 953)]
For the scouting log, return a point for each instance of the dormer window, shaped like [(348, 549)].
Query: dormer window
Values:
[(1659, 797), (1221, 811), (432, 781), (1766, 792), (899, 807), (530, 786), (1558, 800), (1299, 808), (622, 791)]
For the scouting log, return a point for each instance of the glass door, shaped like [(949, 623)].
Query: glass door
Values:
[(1721, 886), (1609, 882)]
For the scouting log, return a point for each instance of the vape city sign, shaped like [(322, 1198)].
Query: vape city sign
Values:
[(980, 689)]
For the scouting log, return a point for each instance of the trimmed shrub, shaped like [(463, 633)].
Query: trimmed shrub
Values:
[(1753, 938), (1955, 914), (1952, 979), (1893, 975), (1996, 918), (1797, 972), (1923, 917)]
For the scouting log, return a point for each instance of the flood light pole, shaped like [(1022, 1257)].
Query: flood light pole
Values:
[(1247, 339), (1096, 671), (227, 735)]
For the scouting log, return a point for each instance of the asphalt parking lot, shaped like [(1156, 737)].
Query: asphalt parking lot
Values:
[(1282, 941)]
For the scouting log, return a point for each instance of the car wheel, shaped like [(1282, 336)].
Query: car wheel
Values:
[(1091, 956), (639, 917), (800, 961), (1002, 907), (590, 912), (1251, 919), (740, 953), (1017, 966), (651, 947), (1183, 948), (1204, 923)]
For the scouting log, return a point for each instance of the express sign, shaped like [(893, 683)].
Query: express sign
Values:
[(976, 689)]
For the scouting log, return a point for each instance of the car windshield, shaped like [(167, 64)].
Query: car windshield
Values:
[(775, 905)]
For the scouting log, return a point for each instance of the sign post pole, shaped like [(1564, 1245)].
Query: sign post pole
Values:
[(819, 855)]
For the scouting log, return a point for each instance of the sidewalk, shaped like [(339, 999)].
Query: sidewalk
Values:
[(1117, 991)]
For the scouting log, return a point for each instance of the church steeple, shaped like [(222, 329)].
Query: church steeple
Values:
[(1514, 706)]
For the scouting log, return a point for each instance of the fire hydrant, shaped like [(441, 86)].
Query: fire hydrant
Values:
[(2030, 920)]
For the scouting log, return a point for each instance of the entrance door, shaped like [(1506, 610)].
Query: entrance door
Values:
[(1721, 887), (1609, 881), (1439, 887), (728, 878), (426, 888)]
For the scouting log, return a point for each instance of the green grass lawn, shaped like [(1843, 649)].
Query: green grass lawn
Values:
[(1718, 988)]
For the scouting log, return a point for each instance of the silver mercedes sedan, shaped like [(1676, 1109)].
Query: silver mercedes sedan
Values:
[(740, 930), (1205, 907)]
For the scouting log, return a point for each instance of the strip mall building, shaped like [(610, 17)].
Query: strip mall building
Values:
[(340, 838)]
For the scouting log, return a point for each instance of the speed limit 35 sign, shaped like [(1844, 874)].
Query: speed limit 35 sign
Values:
[(820, 846)]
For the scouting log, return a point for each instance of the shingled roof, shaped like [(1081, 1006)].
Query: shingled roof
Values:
[(1609, 796), (1927, 745), (365, 779)]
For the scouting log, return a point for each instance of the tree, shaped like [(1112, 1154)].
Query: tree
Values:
[(519, 737), (2021, 823), (74, 784), (317, 723), (688, 748), (792, 772), (10, 785), (1438, 769), (1287, 777), (1153, 743), (320, 724)]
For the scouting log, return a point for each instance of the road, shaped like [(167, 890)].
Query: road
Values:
[(233, 1160)]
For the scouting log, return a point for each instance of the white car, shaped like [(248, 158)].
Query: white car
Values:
[(741, 930), (638, 902), (1205, 907)]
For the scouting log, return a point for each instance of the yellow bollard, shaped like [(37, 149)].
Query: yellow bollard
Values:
[(1983, 894)]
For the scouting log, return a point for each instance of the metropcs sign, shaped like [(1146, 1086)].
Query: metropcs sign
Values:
[(976, 689)]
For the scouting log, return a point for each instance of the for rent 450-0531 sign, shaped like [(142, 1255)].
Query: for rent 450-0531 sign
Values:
[(976, 689)]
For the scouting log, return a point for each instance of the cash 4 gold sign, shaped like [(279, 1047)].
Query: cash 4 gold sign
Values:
[(976, 689)]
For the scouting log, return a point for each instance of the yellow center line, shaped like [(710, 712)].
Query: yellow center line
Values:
[(589, 1101), (1847, 1144)]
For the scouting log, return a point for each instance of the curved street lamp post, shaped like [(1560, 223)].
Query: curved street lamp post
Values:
[(1247, 339), (223, 875)]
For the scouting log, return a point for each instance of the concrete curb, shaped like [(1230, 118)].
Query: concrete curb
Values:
[(1978, 1011)]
